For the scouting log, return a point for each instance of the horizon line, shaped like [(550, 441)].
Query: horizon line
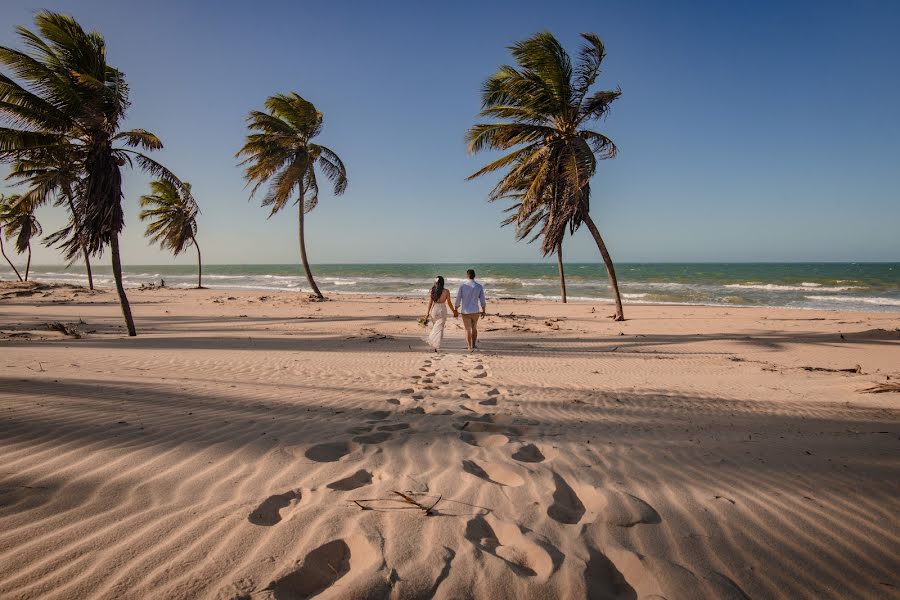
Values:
[(599, 262)]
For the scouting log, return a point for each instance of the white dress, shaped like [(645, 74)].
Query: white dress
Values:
[(439, 318)]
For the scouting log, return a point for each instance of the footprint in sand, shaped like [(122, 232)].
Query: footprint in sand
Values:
[(394, 427), (507, 542), (624, 510), (357, 480), (319, 571), (495, 473), (529, 453), (602, 578), (373, 438), (269, 512), (360, 429), (567, 506), (484, 440), (491, 423), (329, 451)]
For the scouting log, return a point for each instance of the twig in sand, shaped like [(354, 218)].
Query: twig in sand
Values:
[(410, 500), (404, 499), (882, 388), (857, 369)]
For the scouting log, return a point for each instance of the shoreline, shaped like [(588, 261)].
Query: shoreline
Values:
[(413, 298)]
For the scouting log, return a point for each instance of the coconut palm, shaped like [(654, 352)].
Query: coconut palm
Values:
[(71, 100), (18, 222), (279, 151), (543, 106), (3, 204), (172, 212), (52, 175)]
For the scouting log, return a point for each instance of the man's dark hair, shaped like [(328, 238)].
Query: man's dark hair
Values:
[(470, 273)]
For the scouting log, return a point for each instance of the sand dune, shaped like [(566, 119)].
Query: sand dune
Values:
[(685, 453)]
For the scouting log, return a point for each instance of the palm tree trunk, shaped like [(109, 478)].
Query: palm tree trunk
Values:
[(303, 258), (3, 251), (120, 288), (199, 264), (562, 273), (87, 265), (610, 269), (28, 263)]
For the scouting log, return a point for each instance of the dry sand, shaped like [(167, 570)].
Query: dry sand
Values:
[(684, 453)]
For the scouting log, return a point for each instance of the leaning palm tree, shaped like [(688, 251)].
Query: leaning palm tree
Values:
[(18, 222), (279, 151), (172, 212), (543, 106), (4, 204), (52, 175), (71, 99)]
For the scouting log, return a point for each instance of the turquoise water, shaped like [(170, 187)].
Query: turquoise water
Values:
[(848, 286)]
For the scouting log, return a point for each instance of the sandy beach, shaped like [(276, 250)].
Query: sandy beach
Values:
[(253, 446)]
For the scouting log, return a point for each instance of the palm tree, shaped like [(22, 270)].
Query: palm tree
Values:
[(562, 273), (52, 175), (71, 99), (543, 105), (18, 220), (4, 203), (172, 212), (279, 151)]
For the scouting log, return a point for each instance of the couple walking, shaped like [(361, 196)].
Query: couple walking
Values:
[(469, 301)]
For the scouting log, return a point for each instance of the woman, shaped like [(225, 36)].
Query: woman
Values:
[(438, 301)]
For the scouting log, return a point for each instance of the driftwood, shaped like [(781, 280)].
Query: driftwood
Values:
[(68, 330), (857, 369), (882, 388)]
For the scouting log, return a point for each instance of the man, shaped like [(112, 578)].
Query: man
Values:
[(470, 302)]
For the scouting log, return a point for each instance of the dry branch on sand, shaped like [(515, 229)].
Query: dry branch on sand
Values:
[(857, 370), (882, 388), (68, 330), (405, 499)]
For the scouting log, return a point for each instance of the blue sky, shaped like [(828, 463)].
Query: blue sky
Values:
[(747, 131)]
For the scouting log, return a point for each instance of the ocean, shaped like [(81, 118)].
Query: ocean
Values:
[(843, 286)]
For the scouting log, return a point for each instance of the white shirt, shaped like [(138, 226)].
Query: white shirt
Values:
[(469, 297)]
